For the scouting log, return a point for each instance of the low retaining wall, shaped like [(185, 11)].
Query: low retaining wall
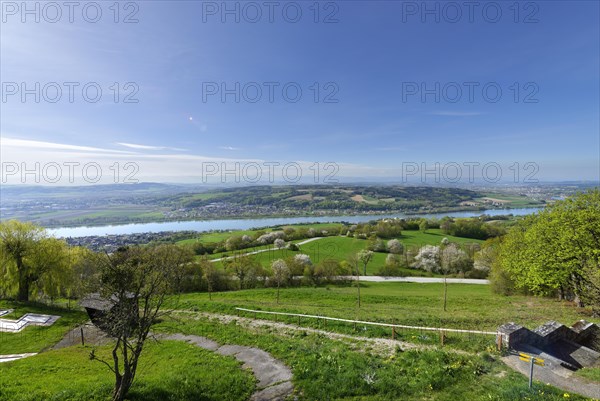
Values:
[(582, 332)]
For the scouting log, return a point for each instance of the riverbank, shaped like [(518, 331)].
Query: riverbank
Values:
[(245, 224)]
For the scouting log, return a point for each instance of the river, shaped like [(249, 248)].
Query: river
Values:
[(244, 224)]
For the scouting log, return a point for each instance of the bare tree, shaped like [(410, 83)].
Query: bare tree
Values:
[(353, 261), (135, 281)]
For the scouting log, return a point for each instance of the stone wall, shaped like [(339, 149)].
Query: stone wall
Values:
[(582, 332)]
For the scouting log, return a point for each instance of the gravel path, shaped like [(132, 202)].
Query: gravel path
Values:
[(274, 377)]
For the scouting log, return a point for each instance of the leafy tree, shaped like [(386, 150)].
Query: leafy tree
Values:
[(428, 258), (210, 274), (452, 260), (279, 243), (243, 266), (329, 269), (31, 261), (391, 267), (486, 256), (281, 273), (365, 257), (234, 242), (136, 280), (558, 250), (376, 244), (394, 246)]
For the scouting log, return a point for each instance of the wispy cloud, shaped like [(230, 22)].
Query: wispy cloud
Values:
[(148, 147), (456, 113), (32, 144), (228, 148)]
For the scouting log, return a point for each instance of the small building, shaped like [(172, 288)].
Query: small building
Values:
[(99, 308)]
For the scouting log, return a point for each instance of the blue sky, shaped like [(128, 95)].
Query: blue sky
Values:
[(371, 57)]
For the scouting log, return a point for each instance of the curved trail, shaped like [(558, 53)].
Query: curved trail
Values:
[(274, 377), (384, 346), (306, 241)]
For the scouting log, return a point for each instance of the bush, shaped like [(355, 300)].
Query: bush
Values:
[(500, 281), (389, 271)]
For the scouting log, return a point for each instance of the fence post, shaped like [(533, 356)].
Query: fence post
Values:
[(393, 333), (82, 339), (499, 342), (442, 337)]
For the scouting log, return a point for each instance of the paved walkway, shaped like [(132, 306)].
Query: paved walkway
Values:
[(274, 377), (383, 279), (14, 357), (29, 319), (556, 376)]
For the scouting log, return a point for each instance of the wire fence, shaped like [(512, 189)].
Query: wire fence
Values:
[(395, 330)]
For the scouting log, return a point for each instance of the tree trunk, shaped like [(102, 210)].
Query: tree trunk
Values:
[(358, 287), (23, 294), (445, 292), (122, 386), (561, 293)]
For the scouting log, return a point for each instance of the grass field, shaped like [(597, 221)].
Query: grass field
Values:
[(514, 200), (469, 306), (327, 369), (168, 371), (37, 338), (222, 236), (341, 248), (324, 368)]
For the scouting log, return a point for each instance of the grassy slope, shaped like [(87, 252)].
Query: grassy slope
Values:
[(469, 306), (340, 248), (169, 370), (37, 338), (326, 369), (222, 236)]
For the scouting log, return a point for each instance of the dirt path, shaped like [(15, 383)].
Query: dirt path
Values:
[(274, 377), (382, 346), (563, 380)]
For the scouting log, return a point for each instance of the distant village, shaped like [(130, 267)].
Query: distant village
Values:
[(110, 243)]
